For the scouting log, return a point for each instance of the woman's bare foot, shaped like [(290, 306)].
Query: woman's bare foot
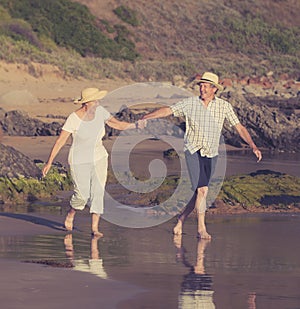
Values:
[(97, 234), (203, 235), (70, 219), (177, 230)]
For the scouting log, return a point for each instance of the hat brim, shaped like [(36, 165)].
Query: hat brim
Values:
[(220, 87), (96, 96)]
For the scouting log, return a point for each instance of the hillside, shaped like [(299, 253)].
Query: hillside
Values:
[(155, 40), (230, 36)]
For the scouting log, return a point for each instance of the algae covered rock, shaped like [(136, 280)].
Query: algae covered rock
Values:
[(21, 189), (262, 189), (21, 182)]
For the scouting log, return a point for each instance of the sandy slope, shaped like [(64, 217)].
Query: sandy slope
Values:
[(49, 93)]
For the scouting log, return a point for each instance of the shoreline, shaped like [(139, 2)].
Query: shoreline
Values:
[(38, 148)]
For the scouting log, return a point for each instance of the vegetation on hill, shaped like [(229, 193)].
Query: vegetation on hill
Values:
[(153, 40), (67, 24)]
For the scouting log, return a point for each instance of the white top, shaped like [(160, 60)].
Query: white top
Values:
[(204, 124), (87, 137)]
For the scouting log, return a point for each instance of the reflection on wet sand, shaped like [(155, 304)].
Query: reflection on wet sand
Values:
[(251, 300), (94, 265), (196, 288)]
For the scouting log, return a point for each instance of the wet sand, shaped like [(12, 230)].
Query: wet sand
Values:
[(30, 285), (25, 285), (252, 262)]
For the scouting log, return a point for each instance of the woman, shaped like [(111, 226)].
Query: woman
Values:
[(87, 156)]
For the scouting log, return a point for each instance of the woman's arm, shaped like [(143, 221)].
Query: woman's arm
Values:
[(123, 125), (60, 142)]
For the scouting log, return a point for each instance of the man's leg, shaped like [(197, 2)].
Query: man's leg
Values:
[(181, 218), (200, 205)]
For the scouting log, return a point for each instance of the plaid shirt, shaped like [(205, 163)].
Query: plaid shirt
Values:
[(204, 124)]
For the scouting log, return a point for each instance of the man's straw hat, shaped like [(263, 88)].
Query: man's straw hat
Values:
[(90, 94), (210, 78)]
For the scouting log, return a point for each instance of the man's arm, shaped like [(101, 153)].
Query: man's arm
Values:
[(244, 134), (159, 113)]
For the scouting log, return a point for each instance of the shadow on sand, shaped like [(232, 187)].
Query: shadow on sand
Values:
[(36, 220)]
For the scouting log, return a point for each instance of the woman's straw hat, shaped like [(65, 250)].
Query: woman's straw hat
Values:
[(210, 78), (90, 94)]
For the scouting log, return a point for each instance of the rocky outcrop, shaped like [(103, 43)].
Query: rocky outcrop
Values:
[(18, 123), (15, 164), (269, 110), (21, 182), (260, 191), (269, 126)]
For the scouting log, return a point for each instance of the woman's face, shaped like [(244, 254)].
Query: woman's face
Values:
[(92, 105)]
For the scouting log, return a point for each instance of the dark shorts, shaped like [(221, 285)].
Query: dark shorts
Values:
[(200, 169)]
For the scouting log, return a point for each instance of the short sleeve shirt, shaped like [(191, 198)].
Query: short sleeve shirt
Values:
[(87, 137), (204, 124)]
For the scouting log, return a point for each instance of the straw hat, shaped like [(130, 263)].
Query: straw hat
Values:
[(90, 94), (210, 78)]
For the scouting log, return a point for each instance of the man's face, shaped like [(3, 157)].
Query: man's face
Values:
[(207, 90)]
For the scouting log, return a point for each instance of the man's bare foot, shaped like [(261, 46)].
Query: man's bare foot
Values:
[(203, 235), (177, 230), (97, 234)]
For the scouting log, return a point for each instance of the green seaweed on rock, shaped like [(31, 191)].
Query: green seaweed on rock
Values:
[(261, 189), (22, 189)]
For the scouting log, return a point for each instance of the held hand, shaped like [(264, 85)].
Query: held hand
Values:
[(46, 169), (141, 124), (258, 154)]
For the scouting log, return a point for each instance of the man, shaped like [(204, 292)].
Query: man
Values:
[(204, 116)]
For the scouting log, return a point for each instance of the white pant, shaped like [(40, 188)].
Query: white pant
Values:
[(89, 185)]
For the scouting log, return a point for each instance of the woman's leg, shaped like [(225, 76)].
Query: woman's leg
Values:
[(80, 175), (70, 219), (95, 225), (98, 181)]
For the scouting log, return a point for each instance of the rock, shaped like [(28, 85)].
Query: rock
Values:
[(21, 182), (268, 127), (170, 154), (18, 123), (261, 189), (15, 164)]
